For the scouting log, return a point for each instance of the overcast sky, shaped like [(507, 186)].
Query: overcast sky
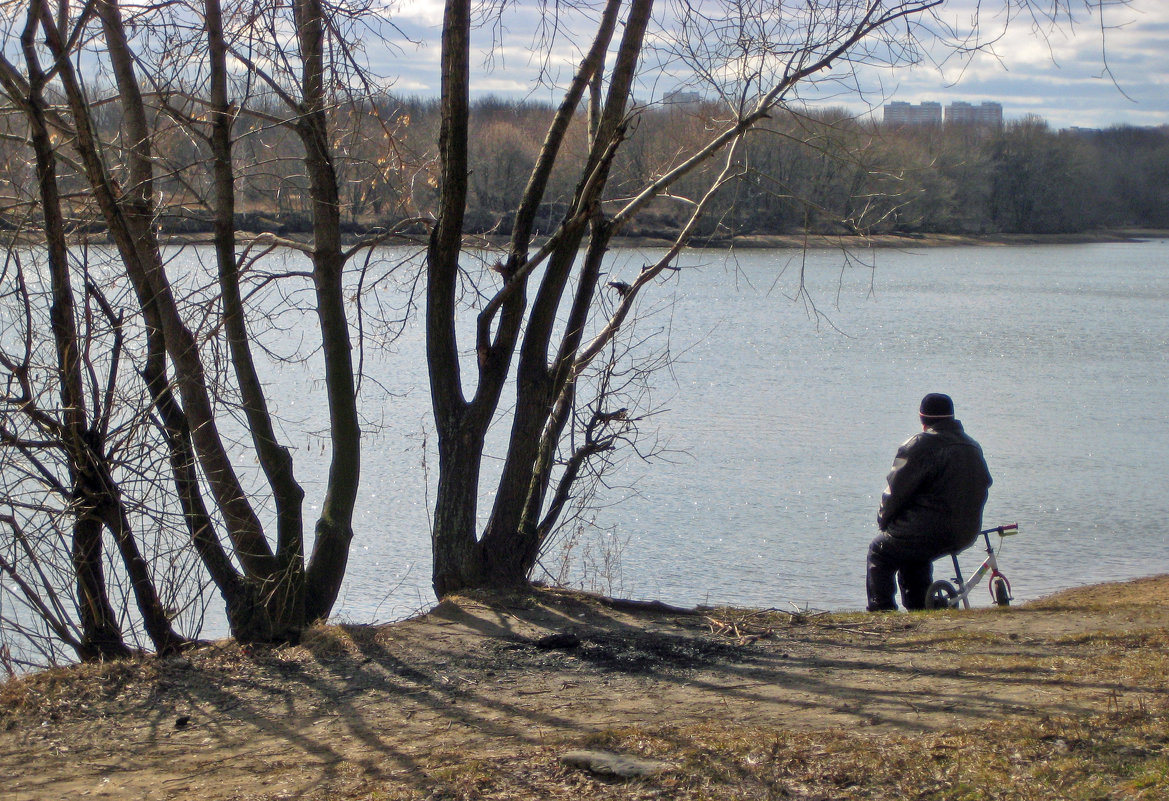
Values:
[(1067, 76)]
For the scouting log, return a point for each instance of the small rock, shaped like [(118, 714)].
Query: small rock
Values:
[(605, 763)]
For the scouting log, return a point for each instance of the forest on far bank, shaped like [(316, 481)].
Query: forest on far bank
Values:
[(821, 172)]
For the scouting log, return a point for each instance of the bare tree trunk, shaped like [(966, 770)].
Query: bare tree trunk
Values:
[(101, 636), (459, 559), (460, 441), (334, 529), (285, 595), (94, 499)]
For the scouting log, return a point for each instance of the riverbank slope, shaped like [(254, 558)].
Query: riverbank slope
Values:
[(482, 698)]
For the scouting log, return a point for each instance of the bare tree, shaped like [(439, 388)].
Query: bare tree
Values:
[(539, 318), (172, 75), (79, 425)]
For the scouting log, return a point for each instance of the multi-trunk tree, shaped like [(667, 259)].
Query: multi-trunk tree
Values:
[(185, 356)]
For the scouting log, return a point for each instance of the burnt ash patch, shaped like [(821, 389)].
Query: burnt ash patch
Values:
[(650, 653)]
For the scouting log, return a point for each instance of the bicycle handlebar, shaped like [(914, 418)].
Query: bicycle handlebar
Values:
[(1005, 530)]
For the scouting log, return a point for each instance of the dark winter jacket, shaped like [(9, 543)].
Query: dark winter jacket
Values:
[(937, 488)]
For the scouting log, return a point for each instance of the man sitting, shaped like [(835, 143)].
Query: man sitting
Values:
[(932, 506)]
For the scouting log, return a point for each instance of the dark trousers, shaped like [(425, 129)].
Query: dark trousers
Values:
[(900, 561)]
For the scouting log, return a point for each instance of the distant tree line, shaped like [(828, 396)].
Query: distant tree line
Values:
[(823, 172)]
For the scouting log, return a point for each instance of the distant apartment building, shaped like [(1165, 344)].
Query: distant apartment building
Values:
[(682, 98), (957, 113), (985, 113), (901, 113)]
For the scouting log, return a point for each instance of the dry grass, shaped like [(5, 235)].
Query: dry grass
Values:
[(1063, 700), (1119, 755), (1122, 753)]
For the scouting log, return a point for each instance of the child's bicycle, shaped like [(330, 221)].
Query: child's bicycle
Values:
[(944, 594)]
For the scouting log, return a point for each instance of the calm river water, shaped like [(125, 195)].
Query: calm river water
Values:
[(780, 414), (782, 418)]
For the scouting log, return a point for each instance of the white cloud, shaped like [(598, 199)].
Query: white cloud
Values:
[(419, 12)]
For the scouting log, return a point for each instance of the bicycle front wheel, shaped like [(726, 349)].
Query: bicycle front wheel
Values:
[(1001, 591)]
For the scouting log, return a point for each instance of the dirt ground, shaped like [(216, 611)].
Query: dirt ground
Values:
[(378, 712)]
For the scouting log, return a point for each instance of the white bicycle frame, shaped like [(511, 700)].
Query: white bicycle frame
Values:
[(943, 594)]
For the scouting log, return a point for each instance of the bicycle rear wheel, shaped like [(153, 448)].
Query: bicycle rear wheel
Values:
[(941, 595)]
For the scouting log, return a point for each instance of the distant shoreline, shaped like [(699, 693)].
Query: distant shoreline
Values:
[(746, 242), (820, 241)]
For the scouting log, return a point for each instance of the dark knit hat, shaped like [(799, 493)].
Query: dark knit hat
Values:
[(936, 405)]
